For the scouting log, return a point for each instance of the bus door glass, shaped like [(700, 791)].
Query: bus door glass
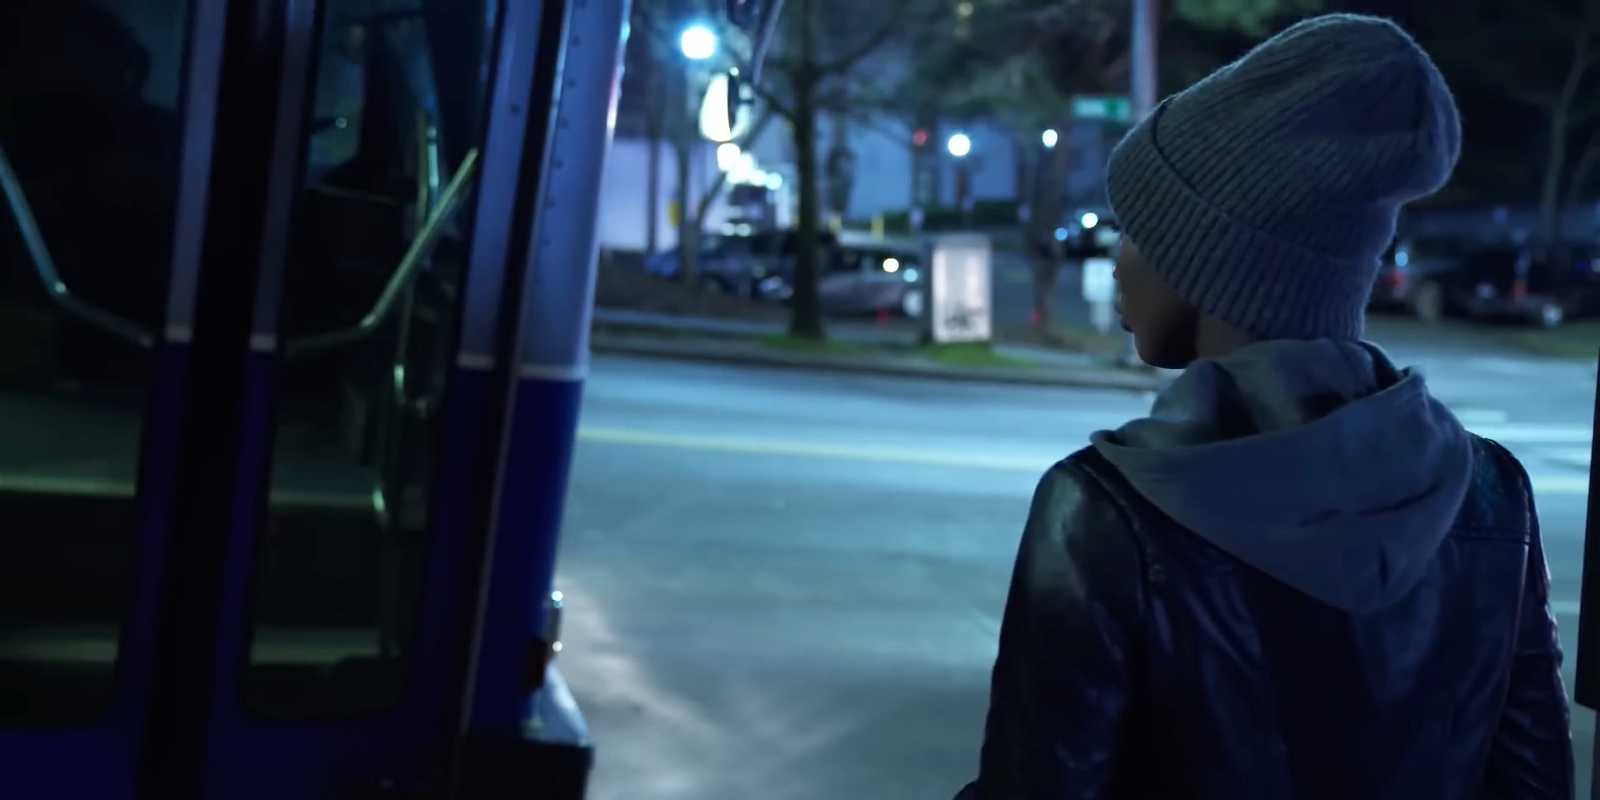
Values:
[(377, 397), (91, 134)]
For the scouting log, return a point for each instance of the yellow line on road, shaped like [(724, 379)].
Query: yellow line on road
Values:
[(779, 447), (1546, 485)]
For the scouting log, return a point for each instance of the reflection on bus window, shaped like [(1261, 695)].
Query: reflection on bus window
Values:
[(89, 134), (368, 326)]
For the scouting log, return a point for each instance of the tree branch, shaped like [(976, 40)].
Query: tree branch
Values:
[(772, 102), (878, 38), (655, 29), (1475, 36)]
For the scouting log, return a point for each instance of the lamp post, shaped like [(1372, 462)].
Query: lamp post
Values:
[(1142, 91), (960, 146), (697, 44)]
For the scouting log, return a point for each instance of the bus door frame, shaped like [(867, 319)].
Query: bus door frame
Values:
[(1586, 673), (519, 711)]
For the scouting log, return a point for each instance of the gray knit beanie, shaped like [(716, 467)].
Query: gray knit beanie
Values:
[(1266, 193)]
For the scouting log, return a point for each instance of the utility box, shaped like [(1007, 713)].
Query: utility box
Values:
[(960, 289)]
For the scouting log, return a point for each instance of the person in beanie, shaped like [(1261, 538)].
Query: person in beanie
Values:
[(1299, 576)]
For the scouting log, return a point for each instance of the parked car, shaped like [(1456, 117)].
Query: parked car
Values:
[(1089, 234), (1409, 279), (862, 275), (1541, 284), (713, 248)]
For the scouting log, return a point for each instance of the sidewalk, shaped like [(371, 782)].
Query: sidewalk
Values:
[(855, 349)]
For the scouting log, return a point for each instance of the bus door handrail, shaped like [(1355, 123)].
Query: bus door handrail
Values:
[(44, 265), (449, 200)]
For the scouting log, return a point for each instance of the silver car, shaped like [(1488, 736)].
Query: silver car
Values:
[(862, 275)]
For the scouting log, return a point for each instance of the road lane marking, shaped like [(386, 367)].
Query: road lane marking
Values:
[(1545, 485), (842, 452), (1533, 434)]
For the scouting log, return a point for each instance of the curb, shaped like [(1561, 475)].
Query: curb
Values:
[(1085, 379)]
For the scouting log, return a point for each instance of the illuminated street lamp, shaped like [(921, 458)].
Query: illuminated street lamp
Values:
[(1049, 137), (960, 146), (698, 43)]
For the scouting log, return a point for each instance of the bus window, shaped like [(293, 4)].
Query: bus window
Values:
[(89, 138), (368, 320)]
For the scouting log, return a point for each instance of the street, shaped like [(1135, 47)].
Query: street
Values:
[(787, 585)]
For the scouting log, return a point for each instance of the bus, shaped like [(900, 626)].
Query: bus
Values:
[(293, 330)]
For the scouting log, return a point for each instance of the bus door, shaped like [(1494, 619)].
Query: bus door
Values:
[(250, 339)]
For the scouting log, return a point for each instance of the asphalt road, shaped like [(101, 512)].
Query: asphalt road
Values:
[(788, 585)]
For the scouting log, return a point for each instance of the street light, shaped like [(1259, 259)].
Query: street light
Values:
[(698, 43), (959, 146), (1049, 137)]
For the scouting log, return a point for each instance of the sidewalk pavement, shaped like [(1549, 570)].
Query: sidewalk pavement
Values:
[(861, 350)]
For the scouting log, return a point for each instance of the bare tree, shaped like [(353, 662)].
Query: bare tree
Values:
[(1254, 18), (676, 87), (1020, 62), (1543, 55), (811, 72)]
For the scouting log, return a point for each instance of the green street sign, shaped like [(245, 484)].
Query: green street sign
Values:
[(1110, 108)]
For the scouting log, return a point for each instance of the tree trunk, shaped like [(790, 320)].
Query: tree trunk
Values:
[(805, 319), (1046, 274), (652, 201), (655, 134), (1025, 165), (1045, 254), (841, 167), (805, 310), (1554, 169), (688, 237), (1560, 119), (1582, 170)]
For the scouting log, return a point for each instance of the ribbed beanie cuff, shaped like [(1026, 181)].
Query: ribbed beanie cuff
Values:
[(1266, 287)]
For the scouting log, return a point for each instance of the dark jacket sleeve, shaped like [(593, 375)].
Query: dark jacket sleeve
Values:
[(1060, 685), (1531, 756)]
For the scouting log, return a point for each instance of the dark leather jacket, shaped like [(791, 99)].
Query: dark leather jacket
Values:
[(1137, 660)]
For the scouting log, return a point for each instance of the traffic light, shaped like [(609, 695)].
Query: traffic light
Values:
[(919, 137)]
